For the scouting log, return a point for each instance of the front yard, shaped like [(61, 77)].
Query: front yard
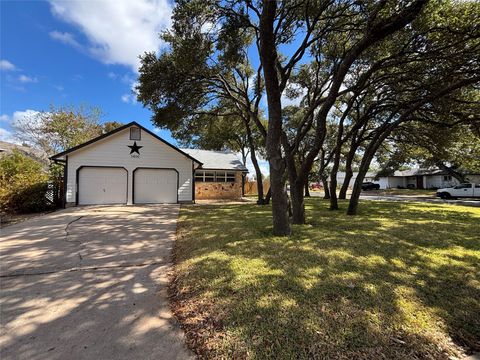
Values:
[(401, 280)]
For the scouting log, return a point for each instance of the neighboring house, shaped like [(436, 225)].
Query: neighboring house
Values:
[(132, 165), (370, 176), (415, 178), (422, 179)]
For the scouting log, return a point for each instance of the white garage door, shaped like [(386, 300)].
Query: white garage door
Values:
[(155, 186), (98, 185)]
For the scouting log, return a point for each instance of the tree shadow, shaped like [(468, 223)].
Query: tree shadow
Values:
[(398, 281), (110, 302)]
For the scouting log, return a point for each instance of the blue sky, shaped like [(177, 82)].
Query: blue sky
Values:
[(77, 52), (74, 52)]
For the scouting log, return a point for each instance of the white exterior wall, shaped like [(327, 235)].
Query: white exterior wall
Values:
[(396, 181), (113, 151), (436, 181), (383, 181), (341, 178)]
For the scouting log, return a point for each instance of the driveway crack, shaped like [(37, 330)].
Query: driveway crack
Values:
[(66, 230)]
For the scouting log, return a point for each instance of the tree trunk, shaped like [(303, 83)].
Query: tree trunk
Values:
[(268, 57), (253, 157), (450, 171), (326, 190), (268, 196), (370, 151), (298, 203), (346, 183), (357, 186), (307, 190), (333, 191), (348, 171), (333, 179)]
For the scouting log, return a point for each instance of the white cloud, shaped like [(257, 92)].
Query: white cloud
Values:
[(126, 98), (27, 117), (118, 31), (27, 79), (22, 116), (5, 135), (132, 97), (7, 65), (66, 38), (8, 136), (262, 163)]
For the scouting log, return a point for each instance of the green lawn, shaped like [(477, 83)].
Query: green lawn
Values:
[(398, 281), (409, 192)]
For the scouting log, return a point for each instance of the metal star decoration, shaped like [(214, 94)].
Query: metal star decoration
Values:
[(134, 148)]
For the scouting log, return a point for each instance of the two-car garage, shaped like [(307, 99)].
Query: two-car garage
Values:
[(128, 165), (109, 185)]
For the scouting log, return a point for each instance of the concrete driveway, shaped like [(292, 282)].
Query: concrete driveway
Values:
[(89, 283)]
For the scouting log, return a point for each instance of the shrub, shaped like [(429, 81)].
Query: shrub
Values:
[(23, 184)]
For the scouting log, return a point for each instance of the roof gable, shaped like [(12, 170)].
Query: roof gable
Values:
[(103, 136)]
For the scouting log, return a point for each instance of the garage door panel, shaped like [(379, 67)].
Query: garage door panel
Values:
[(155, 186), (99, 185)]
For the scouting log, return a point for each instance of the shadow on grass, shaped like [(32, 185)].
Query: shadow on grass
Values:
[(397, 281)]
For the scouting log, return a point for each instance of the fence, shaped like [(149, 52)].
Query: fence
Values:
[(251, 187), (55, 193)]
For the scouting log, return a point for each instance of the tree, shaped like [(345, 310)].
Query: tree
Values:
[(425, 85), (23, 184), (206, 63), (205, 77), (61, 128), (226, 129), (323, 27), (108, 126)]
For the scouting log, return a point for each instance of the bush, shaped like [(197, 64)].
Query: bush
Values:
[(23, 184)]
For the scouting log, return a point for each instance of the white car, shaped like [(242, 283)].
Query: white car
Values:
[(466, 190)]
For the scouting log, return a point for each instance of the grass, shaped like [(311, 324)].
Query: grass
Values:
[(398, 281), (410, 192)]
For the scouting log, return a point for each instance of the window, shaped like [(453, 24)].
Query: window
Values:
[(463, 186), (230, 176), (209, 176), (225, 176), (447, 178), (214, 176), (135, 133)]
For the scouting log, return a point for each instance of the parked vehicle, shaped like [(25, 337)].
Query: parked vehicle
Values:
[(315, 186), (370, 186), (466, 190)]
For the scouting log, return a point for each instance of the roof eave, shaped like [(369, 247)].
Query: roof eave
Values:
[(114, 131)]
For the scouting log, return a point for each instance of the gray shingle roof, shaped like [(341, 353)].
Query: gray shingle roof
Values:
[(219, 160)]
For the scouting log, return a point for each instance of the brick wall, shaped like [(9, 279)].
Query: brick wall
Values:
[(219, 190)]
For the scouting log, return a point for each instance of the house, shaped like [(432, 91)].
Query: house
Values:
[(369, 176), (414, 179), (132, 165), (422, 179), (222, 175)]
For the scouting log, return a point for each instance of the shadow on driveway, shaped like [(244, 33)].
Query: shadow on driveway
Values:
[(89, 283)]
